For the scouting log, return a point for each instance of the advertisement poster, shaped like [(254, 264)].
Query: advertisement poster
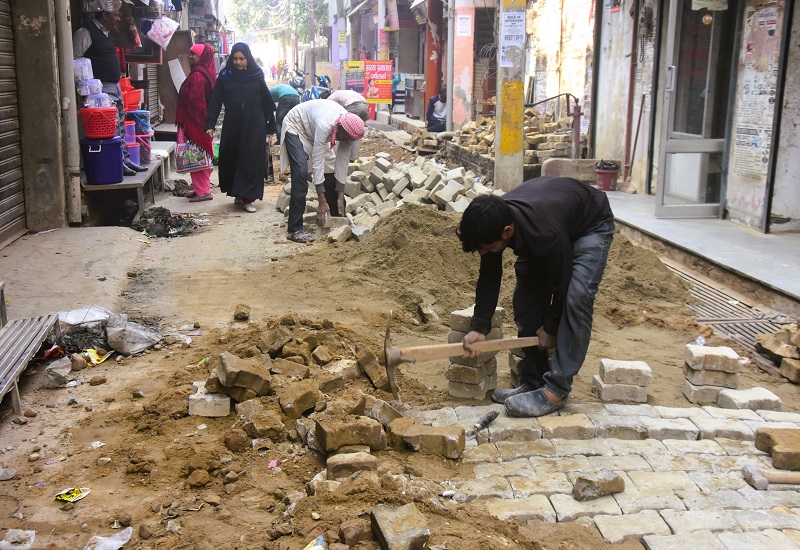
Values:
[(377, 83), (342, 44), (383, 45), (392, 16), (354, 76), (512, 38)]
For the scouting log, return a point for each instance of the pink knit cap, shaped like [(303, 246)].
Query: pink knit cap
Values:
[(198, 49)]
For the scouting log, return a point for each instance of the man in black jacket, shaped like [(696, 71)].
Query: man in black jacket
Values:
[(561, 231), (93, 42)]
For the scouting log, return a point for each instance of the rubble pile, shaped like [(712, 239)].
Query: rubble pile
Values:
[(783, 349), (160, 222), (301, 381), (376, 187)]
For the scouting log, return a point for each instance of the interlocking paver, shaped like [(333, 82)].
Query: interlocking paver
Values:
[(735, 414), (704, 540), (522, 509), (587, 447), (574, 426), (631, 410), (510, 450), (540, 484), (543, 464), (633, 500), (617, 529), (633, 446), (438, 417), (675, 481), (779, 416), (726, 499), (699, 520), (482, 453), (670, 462), (680, 412), (503, 469), (718, 481), (764, 500), (703, 446), (756, 424), (712, 428), (618, 427), (490, 487), (569, 509), (582, 408), (736, 447), (770, 539), (736, 462), (617, 463), (776, 518), (670, 428)]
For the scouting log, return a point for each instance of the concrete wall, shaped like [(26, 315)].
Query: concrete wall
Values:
[(786, 197), (43, 163), (610, 109)]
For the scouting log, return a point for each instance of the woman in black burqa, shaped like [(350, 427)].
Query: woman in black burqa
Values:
[(249, 117)]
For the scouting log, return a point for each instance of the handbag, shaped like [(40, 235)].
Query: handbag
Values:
[(189, 156)]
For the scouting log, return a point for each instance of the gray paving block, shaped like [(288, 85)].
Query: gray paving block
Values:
[(690, 521), (770, 539), (510, 450), (617, 529), (702, 540), (540, 484), (633, 500), (534, 507), (569, 509)]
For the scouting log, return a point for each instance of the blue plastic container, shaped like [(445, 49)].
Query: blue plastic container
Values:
[(102, 160), (142, 120)]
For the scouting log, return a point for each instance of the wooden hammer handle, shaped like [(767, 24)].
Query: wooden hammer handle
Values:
[(775, 476), (443, 351)]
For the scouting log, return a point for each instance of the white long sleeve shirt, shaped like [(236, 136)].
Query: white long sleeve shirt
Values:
[(313, 123)]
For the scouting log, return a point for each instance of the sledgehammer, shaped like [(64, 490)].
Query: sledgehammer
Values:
[(760, 479), (395, 356)]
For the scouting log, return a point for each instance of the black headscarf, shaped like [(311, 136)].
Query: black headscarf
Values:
[(252, 72)]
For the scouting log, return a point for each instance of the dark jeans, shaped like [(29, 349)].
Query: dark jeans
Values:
[(284, 106), (331, 195), (298, 163), (436, 126), (589, 255)]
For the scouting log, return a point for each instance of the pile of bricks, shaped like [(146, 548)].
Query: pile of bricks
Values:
[(783, 348), (423, 140), (472, 377), (622, 381), (377, 186)]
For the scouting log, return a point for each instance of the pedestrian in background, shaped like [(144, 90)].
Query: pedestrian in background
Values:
[(191, 111), (286, 97), (273, 71), (249, 118)]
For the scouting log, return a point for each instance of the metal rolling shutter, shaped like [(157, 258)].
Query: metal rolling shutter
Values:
[(12, 198), (151, 100)]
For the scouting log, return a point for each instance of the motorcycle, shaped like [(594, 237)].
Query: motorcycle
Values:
[(298, 81)]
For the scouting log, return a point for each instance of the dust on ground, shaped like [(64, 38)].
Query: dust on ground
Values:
[(412, 258)]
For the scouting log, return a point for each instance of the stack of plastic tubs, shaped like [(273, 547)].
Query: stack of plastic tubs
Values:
[(102, 148)]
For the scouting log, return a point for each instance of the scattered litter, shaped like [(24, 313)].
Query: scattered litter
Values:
[(37, 484), (173, 527), (94, 358), (317, 544), (97, 444), (18, 539), (196, 333), (114, 542), (128, 337), (73, 494), (72, 401), (202, 427), (160, 222), (700, 340), (273, 463)]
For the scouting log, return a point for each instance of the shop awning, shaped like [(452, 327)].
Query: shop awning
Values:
[(358, 7)]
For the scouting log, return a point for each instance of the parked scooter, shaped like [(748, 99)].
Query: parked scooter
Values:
[(322, 91), (298, 81)]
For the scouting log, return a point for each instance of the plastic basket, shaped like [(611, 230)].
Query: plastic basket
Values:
[(100, 122), (132, 99)]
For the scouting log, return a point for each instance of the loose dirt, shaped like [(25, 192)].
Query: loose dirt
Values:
[(412, 259)]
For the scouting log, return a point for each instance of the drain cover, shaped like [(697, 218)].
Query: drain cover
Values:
[(729, 316)]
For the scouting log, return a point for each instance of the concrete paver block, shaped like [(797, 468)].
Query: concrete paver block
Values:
[(633, 500), (473, 391), (617, 409), (734, 414), (711, 377), (484, 488), (618, 392), (777, 518), (699, 539), (709, 446), (569, 509), (765, 540), (667, 428), (460, 319), (720, 358), (344, 465), (540, 484), (510, 450), (582, 447), (592, 486), (544, 464), (636, 373), (754, 398), (712, 428), (627, 463), (617, 529), (573, 426), (618, 427), (622, 447), (699, 520), (678, 481), (670, 462), (727, 499), (700, 394), (535, 507), (403, 527), (209, 404)]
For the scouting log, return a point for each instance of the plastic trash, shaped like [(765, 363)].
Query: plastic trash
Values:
[(114, 542), (128, 337), (317, 544), (700, 340), (83, 316), (18, 539), (607, 165)]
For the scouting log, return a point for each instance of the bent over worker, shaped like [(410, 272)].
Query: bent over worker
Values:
[(561, 230), (310, 131)]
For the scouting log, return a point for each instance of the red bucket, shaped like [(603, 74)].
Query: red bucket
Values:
[(607, 179)]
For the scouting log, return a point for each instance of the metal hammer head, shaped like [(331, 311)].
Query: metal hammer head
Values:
[(755, 478)]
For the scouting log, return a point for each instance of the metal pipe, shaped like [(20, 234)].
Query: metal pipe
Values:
[(576, 131), (451, 41), (626, 166), (69, 119), (596, 45)]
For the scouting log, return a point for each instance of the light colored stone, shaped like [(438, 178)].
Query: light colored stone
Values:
[(670, 428), (726, 499), (540, 484), (534, 507), (519, 467), (639, 447), (403, 527), (339, 234), (625, 463), (461, 319), (587, 447), (617, 529), (678, 481), (344, 465), (703, 446), (471, 375), (592, 486), (618, 427), (699, 520), (569, 509), (209, 404), (721, 358), (473, 391), (618, 392), (711, 377), (484, 488), (704, 540), (573, 426), (770, 539), (700, 394), (510, 450), (735, 414), (776, 518), (712, 428), (670, 462), (754, 398), (778, 416), (708, 482), (486, 452), (679, 412), (633, 500), (635, 373), (543, 464), (643, 409)]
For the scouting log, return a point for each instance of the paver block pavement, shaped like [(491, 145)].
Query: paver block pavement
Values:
[(582, 447), (626, 463), (633, 500), (677, 481), (490, 487), (636, 373), (636, 446), (700, 539), (721, 358), (617, 529), (518, 467), (770, 539), (671, 428), (702, 446), (712, 428), (618, 427), (540, 484), (510, 450), (753, 398), (776, 518), (699, 520), (573, 426)]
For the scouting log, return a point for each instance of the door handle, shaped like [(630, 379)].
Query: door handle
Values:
[(670, 79)]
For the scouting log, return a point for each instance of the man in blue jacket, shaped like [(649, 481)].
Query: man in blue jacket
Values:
[(437, 111), (561, 230)]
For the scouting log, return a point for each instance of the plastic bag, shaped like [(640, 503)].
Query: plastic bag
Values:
[(114, 542), (162, 30), (18, 539), (607, 165), (128, 337)]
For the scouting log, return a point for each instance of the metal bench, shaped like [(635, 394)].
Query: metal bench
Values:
[(20, 339)]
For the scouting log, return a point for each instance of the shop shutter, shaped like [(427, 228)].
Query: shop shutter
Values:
[(151, 102), (12, 198)]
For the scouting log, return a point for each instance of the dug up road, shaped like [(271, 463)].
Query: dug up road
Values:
[(139, 414)]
